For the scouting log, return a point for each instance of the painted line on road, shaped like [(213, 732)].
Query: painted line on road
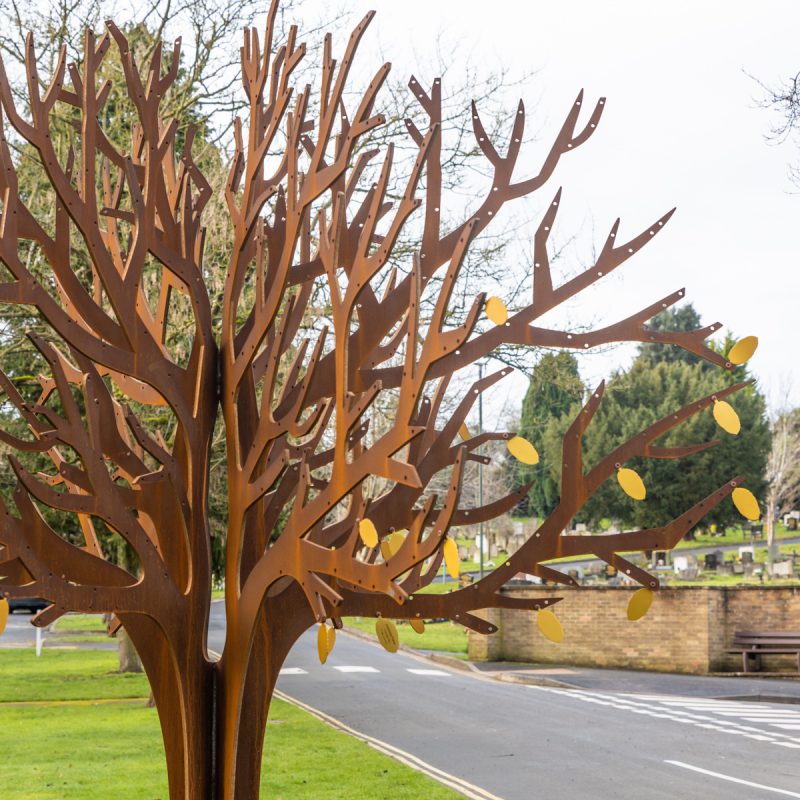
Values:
[(722, 725), (292, 671), (459, 784), (355, 669), (467, 789), (731, 779), (429, 672)]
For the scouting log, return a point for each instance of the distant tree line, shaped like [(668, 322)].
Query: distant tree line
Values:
[(660, 378)]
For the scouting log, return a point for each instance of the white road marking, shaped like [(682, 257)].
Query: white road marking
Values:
[(699, 713), (428, 672), (731, 779), (292, 671), (469, 790), (356, 669)]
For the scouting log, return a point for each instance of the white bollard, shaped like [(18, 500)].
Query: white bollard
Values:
[(39, 641)]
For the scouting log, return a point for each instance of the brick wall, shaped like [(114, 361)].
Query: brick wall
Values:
[(686, 630)]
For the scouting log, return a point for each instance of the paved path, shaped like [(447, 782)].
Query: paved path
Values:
[(785, 689), (19, 632), (517, 742)]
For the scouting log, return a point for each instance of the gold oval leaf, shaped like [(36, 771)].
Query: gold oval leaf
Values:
[(396, 541), (639, 604), (726, 417), (322, 643), (746, 503), (4, 612), (418, 625), (631, 483), (496, 310), (743, 350), (368, 532), (522, 450), (331, 638), (387, 634), (463, 432), (451, 560), (550, 626)]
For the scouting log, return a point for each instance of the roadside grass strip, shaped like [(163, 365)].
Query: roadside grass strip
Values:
[(442, 636), (71, 728)]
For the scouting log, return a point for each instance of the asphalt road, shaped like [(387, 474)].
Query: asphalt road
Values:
[(520, 742), (19, 632), (618, 737)]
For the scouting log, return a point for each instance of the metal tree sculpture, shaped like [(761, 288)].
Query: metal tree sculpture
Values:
[(296, 399)]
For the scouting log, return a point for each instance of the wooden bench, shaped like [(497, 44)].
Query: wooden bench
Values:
[(754, 644)]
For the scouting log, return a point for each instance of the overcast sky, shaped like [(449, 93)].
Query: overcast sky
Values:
[(681, 128)]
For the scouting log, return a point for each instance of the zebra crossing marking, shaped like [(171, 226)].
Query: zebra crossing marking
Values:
[(715, 715)]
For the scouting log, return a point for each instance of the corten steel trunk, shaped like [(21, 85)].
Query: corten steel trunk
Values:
[(321, 324)]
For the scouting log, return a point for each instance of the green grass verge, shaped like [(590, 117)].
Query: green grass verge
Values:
[(80, 622), (89, 751), (439, 587), (738, 536), (65, 675), (69, 639), (443, 636)]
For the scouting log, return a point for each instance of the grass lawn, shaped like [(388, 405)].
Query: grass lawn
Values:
[(439, 587), (444, 636), (79, 628), (65, 675), (738, 535), (79, 751), (80, 622)]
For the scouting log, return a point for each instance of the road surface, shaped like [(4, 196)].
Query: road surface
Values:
[(519, 742), (617, 738)]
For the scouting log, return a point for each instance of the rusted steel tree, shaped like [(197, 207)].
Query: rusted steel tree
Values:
[(295, 392)]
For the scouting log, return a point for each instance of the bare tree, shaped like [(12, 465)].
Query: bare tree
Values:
[(783, 471), (297, 398)]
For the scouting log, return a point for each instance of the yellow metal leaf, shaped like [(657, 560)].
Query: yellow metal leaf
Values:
[(631, 483), (726, 417), (463, 432), (639, 604), (4, 611), (417, 625), (368, 532), (746, 503), (743, 350), (391, 544), (387, 634), (522, 450), (550, 626), (331, 639), (322, 643), (396, 540), (496, 310), (451, 559)]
